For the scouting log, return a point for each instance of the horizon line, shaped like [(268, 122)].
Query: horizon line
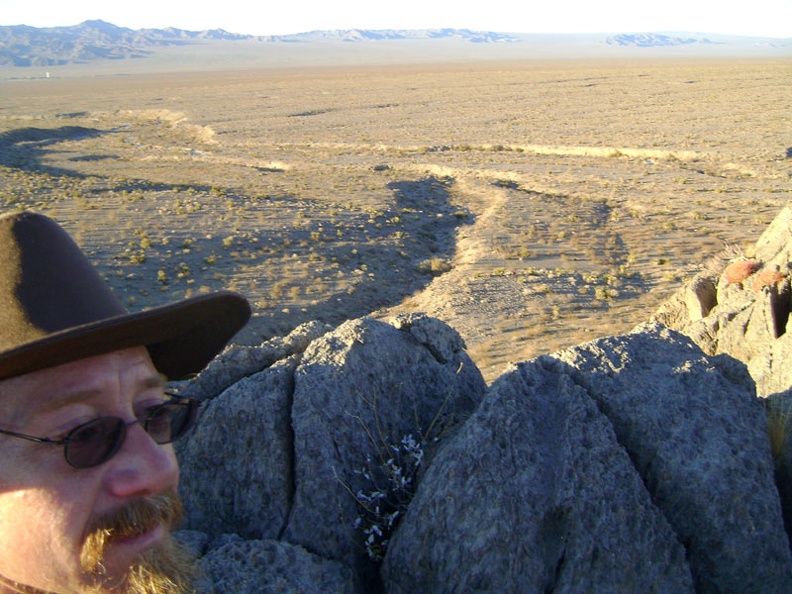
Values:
[(331, 30)]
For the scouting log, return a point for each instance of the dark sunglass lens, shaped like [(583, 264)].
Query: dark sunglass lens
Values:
[(159, 422), (185, 418), (94, 442), (170, 421)]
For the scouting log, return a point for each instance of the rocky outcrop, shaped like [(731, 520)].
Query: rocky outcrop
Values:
[(358, 393), (256, 566), (636, 451), (747, 314), (697, 436), (373, 458), (535, 494), (298, 448)]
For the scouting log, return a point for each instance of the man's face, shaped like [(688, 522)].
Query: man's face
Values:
[(68, 530)]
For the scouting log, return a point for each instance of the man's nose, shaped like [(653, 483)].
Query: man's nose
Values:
[(142, 467)]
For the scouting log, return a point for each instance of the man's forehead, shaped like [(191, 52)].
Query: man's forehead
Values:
[(72, 382)]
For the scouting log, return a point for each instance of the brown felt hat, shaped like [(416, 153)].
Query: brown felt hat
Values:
[(55, 308)]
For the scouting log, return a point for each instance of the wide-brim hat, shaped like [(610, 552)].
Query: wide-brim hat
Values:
[(56, 308)]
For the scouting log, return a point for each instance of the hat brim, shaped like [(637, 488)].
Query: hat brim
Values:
[(181, 337)]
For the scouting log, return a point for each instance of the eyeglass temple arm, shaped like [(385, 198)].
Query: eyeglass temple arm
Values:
[(33, 438)]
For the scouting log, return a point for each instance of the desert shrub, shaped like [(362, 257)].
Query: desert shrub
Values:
[(391, 486), (182, 270), (277, 290), (138, 257), (434, 266), (737, 272), (391, 472), (768, 278)]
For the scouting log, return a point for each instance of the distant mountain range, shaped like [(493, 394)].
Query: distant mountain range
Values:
[(652, 40), (92, 40), (379, 35), (98, 40)]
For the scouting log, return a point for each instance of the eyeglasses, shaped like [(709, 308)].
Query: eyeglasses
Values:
[(98, 440)]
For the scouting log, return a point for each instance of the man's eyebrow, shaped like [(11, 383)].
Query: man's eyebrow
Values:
[(59, 401), (154, 381)]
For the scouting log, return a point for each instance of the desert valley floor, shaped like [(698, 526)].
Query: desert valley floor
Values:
[(531, 205)]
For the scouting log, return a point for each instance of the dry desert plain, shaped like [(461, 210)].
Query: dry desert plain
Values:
[(532, 205)]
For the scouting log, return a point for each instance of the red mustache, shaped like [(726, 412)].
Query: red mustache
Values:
[(139, 517)]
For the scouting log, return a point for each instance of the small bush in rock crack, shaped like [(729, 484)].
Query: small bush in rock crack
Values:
[(391, 481)]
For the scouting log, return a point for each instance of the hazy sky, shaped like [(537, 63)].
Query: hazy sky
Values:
[(740, 17)]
